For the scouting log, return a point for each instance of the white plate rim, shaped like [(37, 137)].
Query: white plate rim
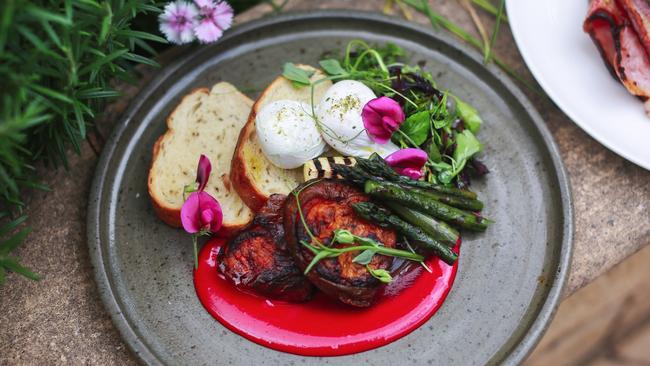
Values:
[(564, 105)]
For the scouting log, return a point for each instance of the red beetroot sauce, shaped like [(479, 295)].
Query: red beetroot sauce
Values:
[(322, 326)]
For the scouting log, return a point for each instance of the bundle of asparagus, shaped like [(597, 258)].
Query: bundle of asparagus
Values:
[(423, 212)]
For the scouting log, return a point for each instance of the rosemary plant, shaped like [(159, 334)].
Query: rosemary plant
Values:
[(57, 59)]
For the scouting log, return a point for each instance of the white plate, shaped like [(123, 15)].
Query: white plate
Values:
[(568, 66)]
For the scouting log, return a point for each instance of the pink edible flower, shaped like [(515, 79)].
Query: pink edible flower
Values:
[(408, 162), (214, 18), (177, 22), (381, 117), (203, 172), (201, 212)]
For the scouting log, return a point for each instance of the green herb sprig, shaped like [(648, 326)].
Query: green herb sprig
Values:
[(367, 246)]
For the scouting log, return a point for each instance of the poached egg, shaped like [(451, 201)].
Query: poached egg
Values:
[(341, 125), (288, 134)]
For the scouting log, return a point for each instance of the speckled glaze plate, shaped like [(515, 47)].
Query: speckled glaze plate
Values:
[(509, 279)]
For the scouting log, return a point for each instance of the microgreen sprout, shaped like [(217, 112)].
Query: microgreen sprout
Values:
[(380, 274)]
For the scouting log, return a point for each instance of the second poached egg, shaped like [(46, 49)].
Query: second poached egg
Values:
[(339, 113)]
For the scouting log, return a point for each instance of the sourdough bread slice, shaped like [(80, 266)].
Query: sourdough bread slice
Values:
[(205, 122), (253, 175)]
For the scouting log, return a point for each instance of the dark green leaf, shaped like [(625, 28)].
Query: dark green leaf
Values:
[(6, 16), (432, 151), (46, 15), (8, 227), (141, 35), (81, 122), (467, 145), (52, 34), (98, 93), (469, 115), (140, 59), (14, 242), (145, 46), (2, 276), (13, 265), (149, 8), (106, 23), (364, 257), (416, 127), (9, 184), (102, 60), (332, 66), (36, 185), (36, 41), (92, 3), (297, 75), (50, 93)]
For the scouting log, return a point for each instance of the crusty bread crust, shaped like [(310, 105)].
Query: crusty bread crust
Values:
[(240, 171), (170, 214)]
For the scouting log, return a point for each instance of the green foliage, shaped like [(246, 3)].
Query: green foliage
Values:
[(416, 127), (298, 76), (8, 262), (57, 59)]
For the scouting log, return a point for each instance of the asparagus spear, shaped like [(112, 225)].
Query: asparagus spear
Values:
[(415, 200), (384, 218), (359, 177), (439, 230), (377, 166), (352, 174), (451, 200)]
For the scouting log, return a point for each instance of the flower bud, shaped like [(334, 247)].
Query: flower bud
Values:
[(343, 236)]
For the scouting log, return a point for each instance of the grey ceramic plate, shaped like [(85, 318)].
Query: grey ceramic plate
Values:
[(509, 280)]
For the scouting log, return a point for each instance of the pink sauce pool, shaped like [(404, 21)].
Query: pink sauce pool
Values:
[(322, 326)]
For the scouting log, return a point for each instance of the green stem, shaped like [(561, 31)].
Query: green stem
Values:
[(452, 27), (392, 252), (414, 144), (396, 92), (376, 55), (495, 31), (408, 138), (487, 6), (322, 252), (196, 250), (427, 12), (302, 217)]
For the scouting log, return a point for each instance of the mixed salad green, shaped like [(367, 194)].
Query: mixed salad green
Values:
[(438, 122)]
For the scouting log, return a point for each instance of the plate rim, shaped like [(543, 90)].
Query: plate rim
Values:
[(94, 222), (562, 105)]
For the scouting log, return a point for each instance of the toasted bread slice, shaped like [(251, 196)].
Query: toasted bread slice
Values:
[(254, 177), (205, 122)]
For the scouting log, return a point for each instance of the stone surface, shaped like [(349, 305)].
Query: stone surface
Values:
[(60, 320), (601, 319)]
